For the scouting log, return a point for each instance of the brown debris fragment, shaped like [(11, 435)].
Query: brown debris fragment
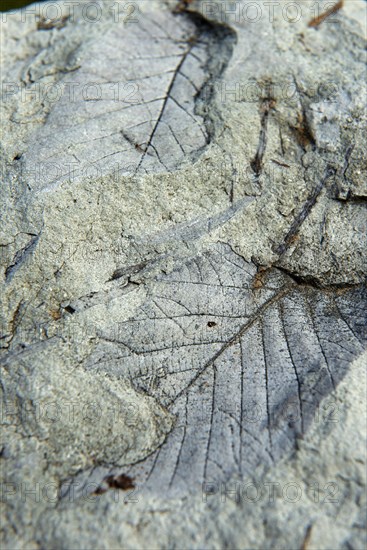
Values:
[(121, 481), (316, 21), (49, 24), (306, 540), (258, 281)]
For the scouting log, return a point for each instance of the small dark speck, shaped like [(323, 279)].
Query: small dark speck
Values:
[(17, 157), (70, 309), (212, 324), (100, 491), (122, 481)]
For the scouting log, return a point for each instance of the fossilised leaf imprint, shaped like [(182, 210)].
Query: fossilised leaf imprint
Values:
[(244, 370), (145, 110)]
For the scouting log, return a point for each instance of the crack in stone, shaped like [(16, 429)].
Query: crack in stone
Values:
[(304, 213)]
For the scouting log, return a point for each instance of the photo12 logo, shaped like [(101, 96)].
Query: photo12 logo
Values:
[(69, 412), (270, 491), (287, 91), (253, 12), (253, 414), (72, 92), (121, 487), (51, 15)]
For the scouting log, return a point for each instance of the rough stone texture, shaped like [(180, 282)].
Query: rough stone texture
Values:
[(183, 277)]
